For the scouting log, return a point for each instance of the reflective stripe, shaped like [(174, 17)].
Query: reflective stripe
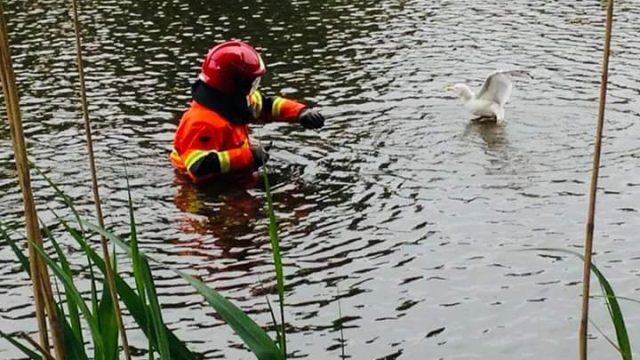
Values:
[(223, 159), (256, 103), (225, 163), (277, 105), (174, 155), (193, 157)]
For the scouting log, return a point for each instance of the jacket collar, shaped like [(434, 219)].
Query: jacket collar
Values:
[(233, 108)]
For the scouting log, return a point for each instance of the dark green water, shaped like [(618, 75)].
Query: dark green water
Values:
[(415, 213)]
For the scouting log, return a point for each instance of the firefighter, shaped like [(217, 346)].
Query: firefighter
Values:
[(212, 139)]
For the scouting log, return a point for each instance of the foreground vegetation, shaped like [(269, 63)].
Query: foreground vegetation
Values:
[(97, 315)]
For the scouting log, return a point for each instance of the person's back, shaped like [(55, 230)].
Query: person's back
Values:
[(202, 130)]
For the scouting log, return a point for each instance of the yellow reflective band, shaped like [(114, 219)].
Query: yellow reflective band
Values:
[(225, 163), (174, 154), (277, 105), (256, 102), (193, 157)]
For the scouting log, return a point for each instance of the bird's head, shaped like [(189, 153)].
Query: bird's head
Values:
[(460, 90)]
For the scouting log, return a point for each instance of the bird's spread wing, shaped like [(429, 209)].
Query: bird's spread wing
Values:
[(497, 87)]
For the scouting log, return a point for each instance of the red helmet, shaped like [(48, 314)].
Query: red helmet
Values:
[(232, 67)]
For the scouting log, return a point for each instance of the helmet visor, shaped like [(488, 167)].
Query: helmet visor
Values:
[(254, 85)]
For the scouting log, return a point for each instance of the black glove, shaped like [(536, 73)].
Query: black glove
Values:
[(260, 155), (311, 119)]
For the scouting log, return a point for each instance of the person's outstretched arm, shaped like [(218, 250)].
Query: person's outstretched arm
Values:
[(276, 108)]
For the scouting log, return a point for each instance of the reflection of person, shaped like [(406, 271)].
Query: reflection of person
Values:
[(223, 213), (212, 138)]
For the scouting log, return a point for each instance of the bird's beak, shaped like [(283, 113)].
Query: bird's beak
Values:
[(448, 88)]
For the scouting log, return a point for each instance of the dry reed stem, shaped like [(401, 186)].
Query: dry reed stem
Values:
[(42, 292), (588, 243), (111, 282)]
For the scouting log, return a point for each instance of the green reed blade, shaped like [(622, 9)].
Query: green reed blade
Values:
[(108, 324), (156, 314), (74, 347), (74, 294), (69, 203), (139, 281), (107, 318), (24, 261), (253, 336), (134, 303), (137, 309), (74, 316), (25, 350), (145, 285), (277, 258), (273, 318), (78, 235), (615, 313)]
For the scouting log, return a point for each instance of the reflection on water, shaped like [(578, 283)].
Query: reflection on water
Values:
[(492, 133), (415, 213)]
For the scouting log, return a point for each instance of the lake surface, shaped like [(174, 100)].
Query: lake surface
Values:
[(400, 210)]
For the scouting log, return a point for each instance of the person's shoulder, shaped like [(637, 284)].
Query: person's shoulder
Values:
[(204, 118)]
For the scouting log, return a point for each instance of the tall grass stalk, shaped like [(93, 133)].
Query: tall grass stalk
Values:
[(42, 291), (110, 279), (588, 243), (277, 258)]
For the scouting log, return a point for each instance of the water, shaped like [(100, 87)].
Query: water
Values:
[(415, 214)]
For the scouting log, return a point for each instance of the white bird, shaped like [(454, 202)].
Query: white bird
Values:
[(489, 103)]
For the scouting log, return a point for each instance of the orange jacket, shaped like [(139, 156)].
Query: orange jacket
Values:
[(208, 144)]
